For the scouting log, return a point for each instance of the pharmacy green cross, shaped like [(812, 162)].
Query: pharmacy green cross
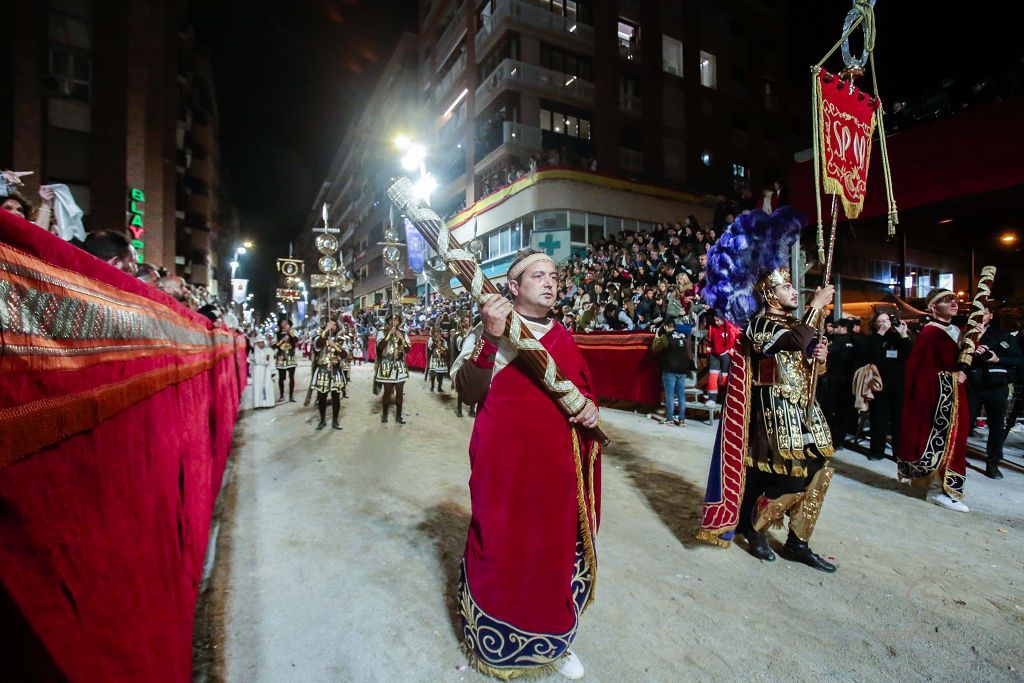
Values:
[(549, 245)]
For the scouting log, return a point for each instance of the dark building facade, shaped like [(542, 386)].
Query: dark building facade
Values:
[(114, 99)]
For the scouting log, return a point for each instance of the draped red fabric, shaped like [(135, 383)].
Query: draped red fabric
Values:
[(934, 352), (622, 365), (103, 529), (522, 540), (416, 359)]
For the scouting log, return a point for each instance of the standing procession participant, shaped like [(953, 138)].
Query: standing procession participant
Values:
[(988, 386), (935, 422), (328, 378), (262, 359), (771, 456), (346, 364), (459, 338), (287, 342), (529, 568), (437, 359), (391, 371)]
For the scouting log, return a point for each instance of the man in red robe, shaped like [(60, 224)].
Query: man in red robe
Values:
[(933, 437), (529, 568)]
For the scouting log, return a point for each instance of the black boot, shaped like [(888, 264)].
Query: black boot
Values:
[(458, 409), (335, 425), (323, 423), (398, 414), (992, 471), (335, 409), (757, 545), (472, 410), (798, 551), (384, 416)]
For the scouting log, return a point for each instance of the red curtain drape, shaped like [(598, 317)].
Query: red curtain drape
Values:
[(116, 416), (622, 365)]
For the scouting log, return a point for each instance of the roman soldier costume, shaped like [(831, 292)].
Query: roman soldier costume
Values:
[(437, 360), (328, 378), (391, 370), (285, 346), (771, 456)]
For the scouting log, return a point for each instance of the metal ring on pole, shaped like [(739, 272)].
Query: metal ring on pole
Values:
[(853, 15)]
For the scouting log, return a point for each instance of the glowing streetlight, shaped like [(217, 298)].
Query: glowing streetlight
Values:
[(1008, 238), (414, 156), (425, 186), (247, 244)]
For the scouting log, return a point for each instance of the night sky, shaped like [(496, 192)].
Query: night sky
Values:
[(291, 75)]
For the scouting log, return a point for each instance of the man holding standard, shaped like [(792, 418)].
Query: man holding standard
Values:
[(530, 564)]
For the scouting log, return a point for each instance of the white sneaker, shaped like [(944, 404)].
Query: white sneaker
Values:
[(711, 402), (570, 666), (943, 499)]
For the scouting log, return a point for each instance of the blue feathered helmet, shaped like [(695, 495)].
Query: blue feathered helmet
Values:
[(752, 253)]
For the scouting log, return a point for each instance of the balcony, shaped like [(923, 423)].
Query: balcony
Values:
[(526, 14), (450, 38), (199, 204), (454, 74), (631, 104), (629, 50), (512, 133), (631, 160), (545, 81)]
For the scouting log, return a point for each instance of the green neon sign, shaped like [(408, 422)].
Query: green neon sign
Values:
[(136, 219)]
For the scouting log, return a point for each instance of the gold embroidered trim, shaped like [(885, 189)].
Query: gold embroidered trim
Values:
[(805, 515)]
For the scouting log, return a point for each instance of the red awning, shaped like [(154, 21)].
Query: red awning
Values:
[(978, 151)]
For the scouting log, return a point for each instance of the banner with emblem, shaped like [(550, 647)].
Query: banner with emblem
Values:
[(846, 122)]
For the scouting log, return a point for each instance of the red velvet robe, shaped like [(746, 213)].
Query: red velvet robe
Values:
[(933, 438), (535, 516)]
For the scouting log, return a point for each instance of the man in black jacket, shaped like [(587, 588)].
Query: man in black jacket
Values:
[(887, 349), (676, 365), (836, 385), (993, 369)]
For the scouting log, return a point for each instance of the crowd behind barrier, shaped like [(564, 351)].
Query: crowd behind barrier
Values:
[(116, 419)]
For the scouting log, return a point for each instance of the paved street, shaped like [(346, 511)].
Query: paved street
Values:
[(338, 556)]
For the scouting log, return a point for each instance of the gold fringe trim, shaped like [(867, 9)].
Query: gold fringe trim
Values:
[(713, 538), (503, 674), (589, 552), (798, 471)]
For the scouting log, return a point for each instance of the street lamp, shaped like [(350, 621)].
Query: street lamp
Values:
[(1008, 238)]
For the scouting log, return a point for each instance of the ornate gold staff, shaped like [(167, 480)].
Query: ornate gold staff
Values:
[(809, 410), (463, 265), (969, 343)]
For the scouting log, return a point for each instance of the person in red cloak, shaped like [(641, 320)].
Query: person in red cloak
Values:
[(933, 436), (530, 565)]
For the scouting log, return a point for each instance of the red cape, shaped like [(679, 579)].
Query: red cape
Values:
[(933, 436), (521, 551)]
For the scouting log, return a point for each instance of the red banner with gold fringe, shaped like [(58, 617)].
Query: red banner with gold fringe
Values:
[(846, 124)]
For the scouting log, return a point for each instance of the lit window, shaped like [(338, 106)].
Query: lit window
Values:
[(545, 119), (572, 126), (629, 40), (558, 123), (708, 70), (672, 56), (705, 158), (739, 171), (585, 129)]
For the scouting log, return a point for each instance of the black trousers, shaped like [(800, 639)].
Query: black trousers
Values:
[(836, 399), (771, 486), (886, 408), (393, 391), (321, 405), (994, 402), (290, 372), (1015, 409)]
